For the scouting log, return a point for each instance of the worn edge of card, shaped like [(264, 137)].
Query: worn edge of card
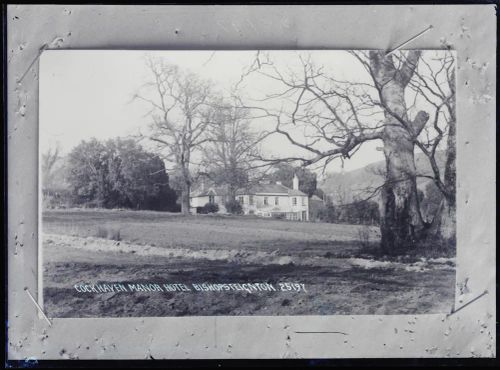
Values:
[(31, 338)]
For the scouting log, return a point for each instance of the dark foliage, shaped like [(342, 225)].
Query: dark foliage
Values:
[(234, 207), (360, 212), (327, 213), (118, 174), (209, 208), (363, 212)]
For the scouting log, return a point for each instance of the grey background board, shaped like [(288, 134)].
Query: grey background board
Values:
[(470, 30)]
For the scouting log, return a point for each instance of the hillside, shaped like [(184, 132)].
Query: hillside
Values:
[(343, 187)]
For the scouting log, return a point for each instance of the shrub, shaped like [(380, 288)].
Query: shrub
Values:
[(327, 213), (211, 208), (359, 212), (234, 207)]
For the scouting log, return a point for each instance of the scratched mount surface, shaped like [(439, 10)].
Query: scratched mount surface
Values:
[(470, 30)]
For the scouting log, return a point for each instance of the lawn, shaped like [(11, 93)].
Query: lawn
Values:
[(338, 265)]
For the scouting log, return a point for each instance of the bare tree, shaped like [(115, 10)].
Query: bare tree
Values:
[(231, 148), (49, 159), (434, 83), (181, 112), (401, 221), (328, 118), (432, 86)]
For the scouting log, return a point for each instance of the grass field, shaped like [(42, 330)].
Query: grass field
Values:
[(338, 265)]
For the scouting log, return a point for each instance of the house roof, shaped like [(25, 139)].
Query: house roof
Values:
[(295, 192), (269, 189), (211, 190), (252, 190)]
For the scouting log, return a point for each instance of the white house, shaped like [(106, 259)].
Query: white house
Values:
[(265, 200)]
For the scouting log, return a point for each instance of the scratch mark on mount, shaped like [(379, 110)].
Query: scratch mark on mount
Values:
[(56, 43), (409, 40), (40, 51), (468, 303)]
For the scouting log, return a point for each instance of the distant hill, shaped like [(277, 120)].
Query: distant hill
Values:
[(344, 187)]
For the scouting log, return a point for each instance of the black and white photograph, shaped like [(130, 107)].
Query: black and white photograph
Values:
[(247, 182)]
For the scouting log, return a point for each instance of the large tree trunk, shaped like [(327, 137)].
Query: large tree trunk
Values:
[(401, 220), (185, 204), (443, 226), (231, 193)]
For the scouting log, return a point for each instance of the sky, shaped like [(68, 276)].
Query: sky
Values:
[(85, 94)]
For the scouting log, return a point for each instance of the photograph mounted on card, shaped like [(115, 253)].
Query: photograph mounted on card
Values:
[(237, 183)]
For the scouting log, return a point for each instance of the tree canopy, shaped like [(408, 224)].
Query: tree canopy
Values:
[(118, 173)]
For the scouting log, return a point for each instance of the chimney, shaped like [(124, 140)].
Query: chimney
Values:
[(295, 182), (278, 183), (202, 187)]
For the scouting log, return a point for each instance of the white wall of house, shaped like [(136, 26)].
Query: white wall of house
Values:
[(293, 207), (199, 201), (202, 200), (267, 204), (301, 208)]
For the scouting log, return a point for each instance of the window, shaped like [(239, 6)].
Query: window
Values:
[(276, 201), (294, 201), (211, 199), (250, 200), (265, 201), (241, 200), (303, 201)]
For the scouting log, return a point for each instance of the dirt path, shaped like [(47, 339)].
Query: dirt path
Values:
[(334, 285)]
